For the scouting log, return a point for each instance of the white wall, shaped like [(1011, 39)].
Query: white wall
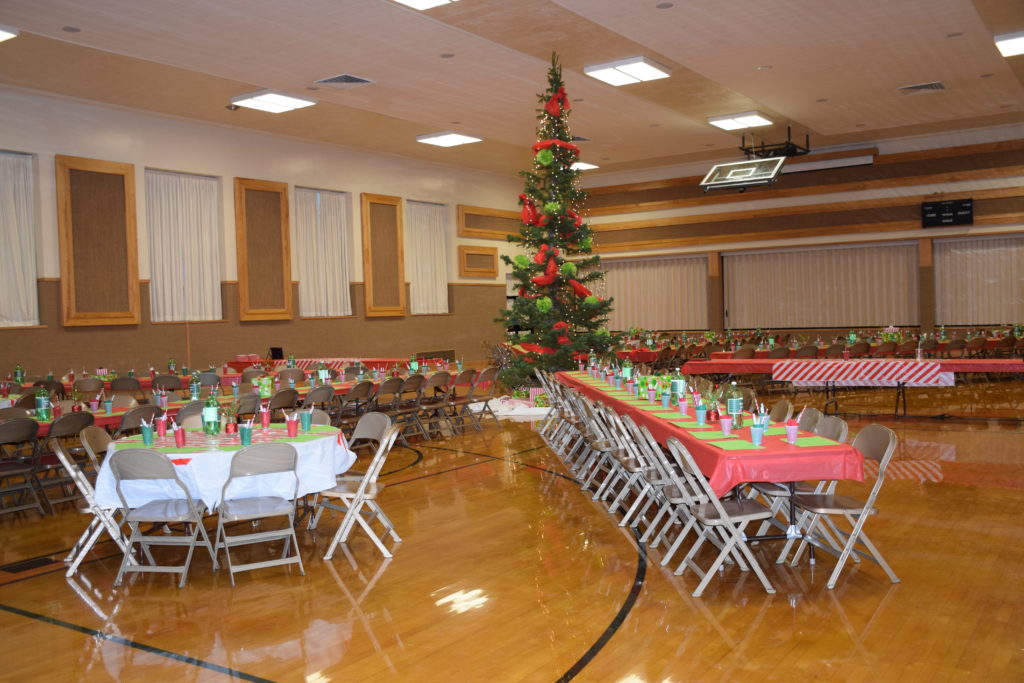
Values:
[(45, 125)]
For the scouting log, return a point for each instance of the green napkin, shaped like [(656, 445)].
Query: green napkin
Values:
[(737, 445), (776, 430), (814, 441), (667, 414), (687, 422), (711, 436), (656, 408)]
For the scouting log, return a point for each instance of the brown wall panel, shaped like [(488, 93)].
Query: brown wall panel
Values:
[(468, 329), (263, 247), (383, 255), (98, 241), (489, 224)]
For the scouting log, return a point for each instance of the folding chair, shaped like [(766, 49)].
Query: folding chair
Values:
[(359, 498), (49, 473), (18, 448), (729, 518), (483, 392), (878, 443), (132, 420), (139, 464), (434, 404), (95, 440), (102, 520), (257, 460)]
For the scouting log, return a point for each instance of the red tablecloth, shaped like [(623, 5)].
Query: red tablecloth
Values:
[(639, 355), (778, 461), (334, 363), (743, 366), (766, 365)]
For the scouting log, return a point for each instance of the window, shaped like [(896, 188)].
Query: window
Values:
[(182, 217), (979, 281), (426, 256), (323, 238), (19, 294), (658, 293)]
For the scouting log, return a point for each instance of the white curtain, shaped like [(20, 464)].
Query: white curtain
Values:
[(979, 281), (19, 293), (658, 293), (863, 286), (426, 257), (183, 219), (323, 238)]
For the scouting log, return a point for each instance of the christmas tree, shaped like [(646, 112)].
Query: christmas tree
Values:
[(556, 315)]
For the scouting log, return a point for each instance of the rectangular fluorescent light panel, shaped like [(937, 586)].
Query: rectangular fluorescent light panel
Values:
[(446, 139), (270, 101), (627, 71), (582, 166), (424, 4), (747, 119), (1010, 44), (7, 32)]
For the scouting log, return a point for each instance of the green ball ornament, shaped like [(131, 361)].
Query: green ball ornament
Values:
[(568, 269), (602, 333), (544, 304), (522, 261), (586, 243), (591, 301), (552, 208), (545, 157)]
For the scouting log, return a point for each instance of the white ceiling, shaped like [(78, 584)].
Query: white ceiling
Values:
[(187, 57)]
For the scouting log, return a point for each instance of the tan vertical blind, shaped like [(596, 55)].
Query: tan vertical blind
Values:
[(658, 293), (979, 281), (862, 286)]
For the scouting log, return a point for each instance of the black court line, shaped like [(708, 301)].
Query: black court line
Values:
[(234, 673), (417, 461), (514, 462), (620, 616)]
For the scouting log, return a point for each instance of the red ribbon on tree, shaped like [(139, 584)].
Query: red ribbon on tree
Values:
[(563, 340), (577, 219), (558, 103), (580, 290), (544, 144), (560, 325)]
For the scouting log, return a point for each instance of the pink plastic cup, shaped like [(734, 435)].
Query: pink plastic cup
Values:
[(791, 431), (726, 424)]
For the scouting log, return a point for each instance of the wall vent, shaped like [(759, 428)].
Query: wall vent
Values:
[(344, 79), (921, 87)]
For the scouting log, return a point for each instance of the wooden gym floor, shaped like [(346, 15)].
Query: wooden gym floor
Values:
[(508, 572)]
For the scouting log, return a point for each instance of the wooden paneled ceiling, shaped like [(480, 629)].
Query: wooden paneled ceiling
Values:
[(830, 68)]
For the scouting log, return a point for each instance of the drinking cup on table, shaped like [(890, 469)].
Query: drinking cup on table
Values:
[(147, 435), (162, 400), (234, 391), (664, 400), (305, 420), (726, 424), (684, 405), (179, 437), (791, 431), (293, 427), (108, 406), (245, 434), (702, 414), (756, 434), (264, 418), (581, 367), (650, 395), (161, 425), (94, 405)]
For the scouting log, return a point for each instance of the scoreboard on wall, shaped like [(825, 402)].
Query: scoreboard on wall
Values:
[(951, 212)]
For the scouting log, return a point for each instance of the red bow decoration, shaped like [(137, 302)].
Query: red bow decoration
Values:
[(577, 219), (550, 274), (580, 290), (563, 340), (558, 103), (528, 215), (544, 144), (536, 348), (522, 293)]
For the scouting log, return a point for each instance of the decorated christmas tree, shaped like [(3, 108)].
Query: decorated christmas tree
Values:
[(556, 315)]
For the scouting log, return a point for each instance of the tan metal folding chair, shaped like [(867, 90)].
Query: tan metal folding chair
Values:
[(257, 460)]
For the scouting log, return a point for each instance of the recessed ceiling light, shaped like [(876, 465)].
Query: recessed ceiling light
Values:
[(764, 67), (71, 29), (861, 125), (447, 138), (665, 5), (1010, 44), (424, 4), (271, 101), (627, 71), (583, 166), (821, 99), (446, 55), (957, 34), (7, 32), (986, 75), (747, 119)]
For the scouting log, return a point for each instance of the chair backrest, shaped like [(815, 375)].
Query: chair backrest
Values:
[(53, 386), (807, 351), (781, 411), (886, 348), (749, 398), (318, 395), (70, 424), (437, 385), (189, 409), (208, 379), (744, 352), (248, 403), (251, 373), (484, 386), (359, 391), (286, 398), (125, 384), (876, 442), (89, 385), (171, 382), (143, 463), (320, 417), (388, 393), (779, 352), (696, 484), (12, 412), (463, 382), (191, 421), (354, 371), (860, 349), (95, 440), (134, 417), (288, 374), (370, 427), (379, 457), (27, 401), (412, 386), (263, 458), (121, 401), (835, 351), (832, 427), (809, 417), (19, 431)]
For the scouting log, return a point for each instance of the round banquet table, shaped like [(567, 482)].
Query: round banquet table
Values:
[(204, 462)]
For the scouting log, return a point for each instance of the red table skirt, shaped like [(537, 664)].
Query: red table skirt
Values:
[(764, 366), (779, 461)]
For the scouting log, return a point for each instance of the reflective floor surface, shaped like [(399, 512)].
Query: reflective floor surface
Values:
[(508, 572)]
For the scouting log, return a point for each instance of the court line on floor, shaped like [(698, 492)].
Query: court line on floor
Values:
[(185, 659)]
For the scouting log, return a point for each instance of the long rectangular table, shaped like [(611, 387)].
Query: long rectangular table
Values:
[(728, 462), (766, 366)]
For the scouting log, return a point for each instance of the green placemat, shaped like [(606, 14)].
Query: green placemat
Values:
[(683, 422), (666, 414), (776, 430), (711, 436), (736, 445), (814, 441), (655, 408)]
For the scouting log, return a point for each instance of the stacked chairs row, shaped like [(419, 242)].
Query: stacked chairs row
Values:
[(662, 493)]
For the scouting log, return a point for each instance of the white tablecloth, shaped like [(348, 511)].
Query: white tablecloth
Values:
[(205, 473)]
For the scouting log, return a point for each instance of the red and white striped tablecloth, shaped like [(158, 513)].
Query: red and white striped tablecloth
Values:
[(863, 373)]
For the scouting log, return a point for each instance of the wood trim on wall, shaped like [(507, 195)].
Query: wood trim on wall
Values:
[(464, 212), (70, 313), (245, 309), (374, 310), (466, 270)]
